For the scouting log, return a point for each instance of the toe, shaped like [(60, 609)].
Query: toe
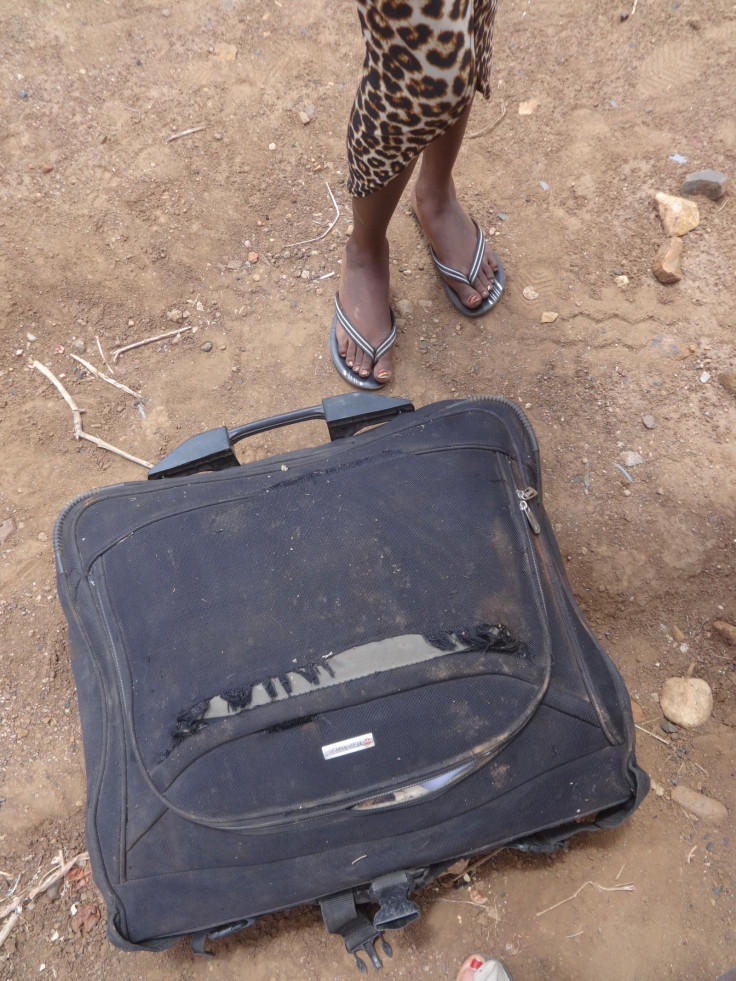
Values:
[(469, 296), (351, 351), (382, 368)]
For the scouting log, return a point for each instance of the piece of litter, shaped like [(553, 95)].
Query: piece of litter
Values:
[(530, 293), (613, 103), (544, 185), (678, 158), (624, 472)]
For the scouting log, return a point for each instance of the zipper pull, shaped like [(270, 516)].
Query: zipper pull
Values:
[(525, 495)]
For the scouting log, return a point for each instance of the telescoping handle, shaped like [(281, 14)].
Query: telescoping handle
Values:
[(213, 450)]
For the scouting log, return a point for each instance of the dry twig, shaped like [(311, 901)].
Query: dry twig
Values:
[(79, 432), (185, 132), (325, 232), (628, 887), (148, 340), (110, 381), (102, 355), (652, 734), (53, 875), (489, 127), (8, 928)]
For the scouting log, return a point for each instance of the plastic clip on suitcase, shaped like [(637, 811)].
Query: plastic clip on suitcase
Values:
[(325, 676)]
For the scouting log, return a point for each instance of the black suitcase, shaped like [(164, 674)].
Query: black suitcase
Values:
[(325, 676)]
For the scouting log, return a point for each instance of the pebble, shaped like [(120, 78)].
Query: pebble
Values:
[(687, 702), (657, 788), (711, 183), (528, 108), (649, 422), (252, 257), (530, 293), (727, 631), (669, 727), (42, 536), (700, 806), (405, 308), (31, 337), (78, 345), (630, 458), (207, 346), (667, 265), (622, 280), (678, 215), (271, 146), (234, 264), (637, 711), (728, 380), (549, 317), (6, 529), (176, 316)]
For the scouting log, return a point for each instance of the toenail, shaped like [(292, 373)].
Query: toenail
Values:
[(474, 298)]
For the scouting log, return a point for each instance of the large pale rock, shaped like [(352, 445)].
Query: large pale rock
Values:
[(708, 810), (726, 630), (687, 702), (679, 216), (668, 261)]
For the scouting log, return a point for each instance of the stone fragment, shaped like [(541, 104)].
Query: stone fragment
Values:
[(78, 345), (176, 316), (405, 308), (234, 264), (6, 529), (657, 788), (549, 316), (207, 346), (728, 380), (226, 52), (727, 631), (711, 183), (667, 265), (649, 421), (679, 635), (528, 108), (630, 458), (252, 258), (637, 711), (702, 807), (687, 702), (622, 280), (679, 216)]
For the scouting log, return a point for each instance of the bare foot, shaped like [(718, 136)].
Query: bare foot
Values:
[(364, 284), (453, 237)]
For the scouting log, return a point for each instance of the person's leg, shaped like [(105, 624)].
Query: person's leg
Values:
[(449, 229), (364, 279)]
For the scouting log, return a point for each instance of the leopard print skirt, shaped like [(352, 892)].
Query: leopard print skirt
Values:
[(424, 61)]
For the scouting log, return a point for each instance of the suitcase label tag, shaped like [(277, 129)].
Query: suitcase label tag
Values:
[(353, 745)]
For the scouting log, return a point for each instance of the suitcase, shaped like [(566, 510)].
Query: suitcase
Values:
[(325, 676)]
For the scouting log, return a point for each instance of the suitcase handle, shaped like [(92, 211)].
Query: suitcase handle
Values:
[(213, 450)]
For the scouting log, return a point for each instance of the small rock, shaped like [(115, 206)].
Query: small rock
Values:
[(679, 216), (657, 788), (637, 711), (405, 308), (42, 536), (31, 337), (711, 183), (687, 702), (667, 265), (252, 258), (234, 264), (622, 280), (630, 458), (271, 146), (700, 806), (207, 346), (679, 635), (530, 293), (549, 316), (669, 727), (528, 108), (649, 421), (728, 380), (78, 345), (6, 529), (176, 316), (226, 52), (704, 376), (725, 630), (305, 274), (21, 733)]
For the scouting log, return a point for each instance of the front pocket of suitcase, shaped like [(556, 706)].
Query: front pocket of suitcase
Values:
[(380, 752)]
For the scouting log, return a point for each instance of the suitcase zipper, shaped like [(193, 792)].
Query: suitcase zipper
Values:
[(526, 495)]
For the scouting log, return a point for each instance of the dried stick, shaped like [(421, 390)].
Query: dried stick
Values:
[(185, 132), (52, 876), (325, 232), (652, 734), (629, 887), (8, 928), (489, 127), (110, 381), (79, 432), (476, 865), (102, 355), (148, 340)]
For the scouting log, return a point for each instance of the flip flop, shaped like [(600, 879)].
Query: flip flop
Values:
[(374, 353), (496, 290)]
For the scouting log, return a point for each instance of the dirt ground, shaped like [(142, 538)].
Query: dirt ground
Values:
[(108, 225)]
